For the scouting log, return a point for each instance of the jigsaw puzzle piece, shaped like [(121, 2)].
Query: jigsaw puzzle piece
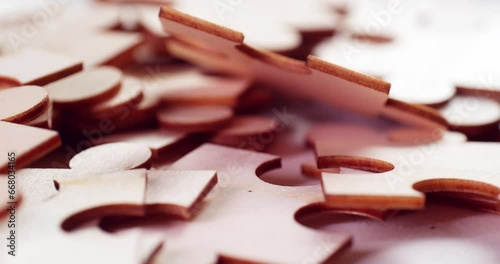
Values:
[(115, 193), (242, 128), (129, 95), (405, 172), (112, 157), (472, 115), (87, 87), (23, 104), (195, 118), (239, 202), (28, 143), (43, 230), (157, 140), (177, 193), (35, 67), (225, 51)]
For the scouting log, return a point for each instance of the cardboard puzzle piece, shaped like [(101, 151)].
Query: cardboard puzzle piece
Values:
[(472, 115), (105, 168), (111, 157), (405, 172), (87, 87), (236, 207), (130, 94), (219, 48), (279, 32), (35, 67), (180, 85), (43, 220), (243, 128), (28, 143), (419, 83), (195, 118), (136, 193), (86, 34), (23, 104), (349, 133), (158, 141)]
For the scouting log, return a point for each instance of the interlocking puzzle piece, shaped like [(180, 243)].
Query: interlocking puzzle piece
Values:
[(472, 115), (274, 31), (111, 157), (220, 48), (177, 192), (158, 141), (406, 172), (93, 46), (87, 87), (28, 143), (130, 94), (361, 134), (195, 118), (23, 104), (180, 85), (233, 209), (41, 223), (35, 67), (137, 193), (416, 84), (243, 128)]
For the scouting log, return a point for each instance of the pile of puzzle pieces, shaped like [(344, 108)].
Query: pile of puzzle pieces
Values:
[(189, 131)]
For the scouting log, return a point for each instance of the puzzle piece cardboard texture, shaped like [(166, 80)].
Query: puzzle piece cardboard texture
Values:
[(405, 172), (87, 87), (223, 49), (130, 94), (236, 207), (181, 85), (28, 143), (244, 128), (23, 104), (472, 115), (157, 140), (35, 67), (194, 118), (42, 224), (276, 31)]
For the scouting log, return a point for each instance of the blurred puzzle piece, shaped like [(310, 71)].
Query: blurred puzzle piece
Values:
[(237, 204), (35, 67), (28, 143), (216, 47)]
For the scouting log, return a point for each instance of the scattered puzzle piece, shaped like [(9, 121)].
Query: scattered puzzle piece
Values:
[(195, 118), (233, 209), (472, 115), (405, 172), (224, 50), (111, 157), (130, 94), (242, 128), (35, 67), (42, 230), (157, 140), (87, 87), (28, 143), (23, 104)]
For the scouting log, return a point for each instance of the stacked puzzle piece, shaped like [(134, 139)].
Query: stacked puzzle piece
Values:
[(153, 131)]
